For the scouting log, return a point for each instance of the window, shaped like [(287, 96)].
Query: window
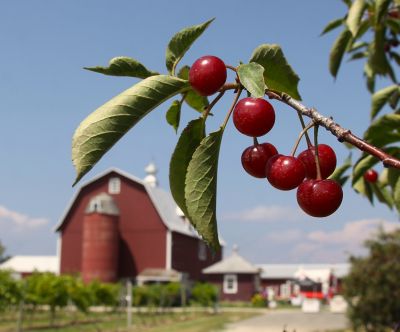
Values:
[(114, 186), (202, 254), (285, 290), (230, 285)]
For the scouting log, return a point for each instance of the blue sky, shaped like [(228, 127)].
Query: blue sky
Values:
[(45, 93)]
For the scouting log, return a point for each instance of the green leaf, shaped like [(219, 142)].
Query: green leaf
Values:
[(370, 77), (384, 130), (357, 46), (377, 55), (124, 66), (278, 74), (337, 51), (251, 77), (332, 25), (382, 194), (393, 175), (367, 161), (173, 115), (358, 55), (396, 57), (338, 174), (362, 165), (347, 2), (354, 16), (396, 194), (201, 188), (381, 7), (394, 24), (380, 98), (192, 98), (188, 142), (364, 188), (105, 126), (181, 42)]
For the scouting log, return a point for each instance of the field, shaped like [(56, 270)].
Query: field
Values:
[(200, 321)]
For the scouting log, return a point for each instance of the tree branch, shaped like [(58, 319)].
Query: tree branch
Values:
[(343, 135)]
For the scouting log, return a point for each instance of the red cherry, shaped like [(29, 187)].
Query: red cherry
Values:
[(255, 158), (371, 176), (207, 75), (253, 116), (285, 172), (319, 198), (327, 161)]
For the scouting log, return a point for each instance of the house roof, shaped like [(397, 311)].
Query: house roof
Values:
[(232, 264), (29, 264), (288, 271), (162, 200)]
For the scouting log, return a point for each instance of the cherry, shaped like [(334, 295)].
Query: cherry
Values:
[(371, 176), (255, 158), (253, 116), (319, 198), (207, 75), (327, 161), (285, 172)]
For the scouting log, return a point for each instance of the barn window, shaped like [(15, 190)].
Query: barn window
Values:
[(202, 251), (230, 285), (114, 186)]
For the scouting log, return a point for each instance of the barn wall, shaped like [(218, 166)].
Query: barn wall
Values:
[(185, 255), (246, 287), (143, 234)]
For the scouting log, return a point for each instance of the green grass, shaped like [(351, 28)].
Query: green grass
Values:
[(149, 322)]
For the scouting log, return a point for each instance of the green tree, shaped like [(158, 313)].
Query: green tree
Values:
[(372, 287), (370, 33), (47, 289), (10, 290)]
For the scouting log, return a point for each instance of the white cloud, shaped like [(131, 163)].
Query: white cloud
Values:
[(336, 245), (264, 213), (285, 236), (19, 220)]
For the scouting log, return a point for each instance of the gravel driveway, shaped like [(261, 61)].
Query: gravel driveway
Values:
[(293, 320)]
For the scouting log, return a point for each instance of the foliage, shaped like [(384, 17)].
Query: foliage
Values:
[(104, 294), (370, 33), (372, 288), (10, 290), (258, 301), (204, 294), (160, 295)]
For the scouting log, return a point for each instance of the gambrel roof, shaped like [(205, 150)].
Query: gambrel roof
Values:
[(162, 201)]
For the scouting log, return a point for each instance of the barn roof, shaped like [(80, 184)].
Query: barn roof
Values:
[(29, 264), (232, 264), (288, 271), (162, 200)]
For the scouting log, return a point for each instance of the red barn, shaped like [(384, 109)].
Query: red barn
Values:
[(118, 226)]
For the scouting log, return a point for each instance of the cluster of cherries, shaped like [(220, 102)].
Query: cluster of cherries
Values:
[(254, 117)]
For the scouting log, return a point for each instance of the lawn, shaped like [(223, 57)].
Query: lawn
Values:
[(153, 322)]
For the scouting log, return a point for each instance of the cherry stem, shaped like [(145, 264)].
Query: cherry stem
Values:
[(231, 68), (319, 177), (343, 135), (255, 140), (302, 133), (211, 105), (239, 91), (303, 125)]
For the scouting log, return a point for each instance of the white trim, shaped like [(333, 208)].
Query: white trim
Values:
[(168, 251), (98, 176), (233, 288)]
